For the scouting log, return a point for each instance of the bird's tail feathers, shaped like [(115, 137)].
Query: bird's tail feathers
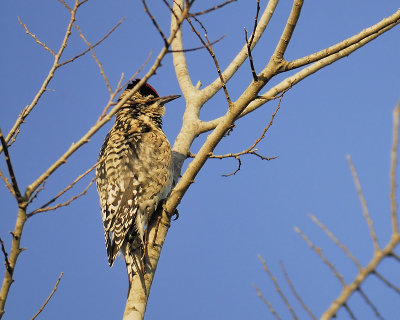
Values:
[(134, 260)]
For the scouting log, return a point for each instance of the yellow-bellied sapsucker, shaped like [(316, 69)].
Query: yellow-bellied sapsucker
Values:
[(134, 173)]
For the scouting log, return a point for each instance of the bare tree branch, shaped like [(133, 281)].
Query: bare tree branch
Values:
[(7, 184), (318, 251), (153, 20), (13, 256), (336, 241), (36, 38), (288, 31), (248, 101), (395, 256), (379, 255), (394, 151), (237, 169), (250, 150), (277, 287), (211, 9), (36, 193), (270, 308), (210, 50), (253, 70), (45, 207), (199, 47), (65, 5), (363, 204), (10, 168), (49, 297), (6, 261), (27, 110), (32, 188), (386, 281), (249, 43), (347, 43), (93, 46), (351, 314), (369, 303), (110, 91), (298, 297), (374, 32), (243, 105), (12, 135), (228, 73)]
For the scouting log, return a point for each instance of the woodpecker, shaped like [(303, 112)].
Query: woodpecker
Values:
[(134, 174)]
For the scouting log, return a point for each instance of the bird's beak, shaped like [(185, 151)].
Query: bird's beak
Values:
[(166, 99)]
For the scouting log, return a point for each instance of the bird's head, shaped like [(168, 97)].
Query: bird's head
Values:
[(145, 102)]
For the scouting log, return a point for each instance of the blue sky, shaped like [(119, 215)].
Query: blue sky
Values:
[(209, 261)]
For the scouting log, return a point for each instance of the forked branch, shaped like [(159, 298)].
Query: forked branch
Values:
[(27, 110), (379, 254)]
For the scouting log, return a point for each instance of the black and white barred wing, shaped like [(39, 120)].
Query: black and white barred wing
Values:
[(119, 190)]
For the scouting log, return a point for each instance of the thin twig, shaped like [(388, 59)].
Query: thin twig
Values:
[(253, 70), (351, 314), (250, 43), (10, 168), (336, 241), (298, 297), (6, 261), (7, 184), (83, 1), (199, 47), (112, 97), (269, 124), (318, 251), (277, 287), (360, 278), (110, 91), (153, 20), (369, 302), (35, 38), (386, 281), (210, 50), (395, 256), (237, 169), (255, 24), (70, 186), (395, 146), (268, 304), (93, 46), (63, 204), (12, 134), (171, 9), (65, 5), (236, 155), (252, 149), (363, 204), (34, 195), (49, 297), (212, 9)]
